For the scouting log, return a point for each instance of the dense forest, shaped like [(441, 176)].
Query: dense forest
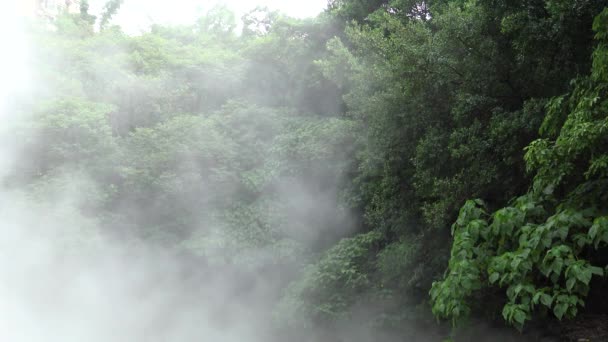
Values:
[(391, 170)]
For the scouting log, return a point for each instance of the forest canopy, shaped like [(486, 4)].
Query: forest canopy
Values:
[(389, 170)]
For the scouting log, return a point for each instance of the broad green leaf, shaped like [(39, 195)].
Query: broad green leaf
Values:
[(559, 310), (546, 299)]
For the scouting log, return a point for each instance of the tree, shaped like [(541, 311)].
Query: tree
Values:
[(545, 247), (110, 8)]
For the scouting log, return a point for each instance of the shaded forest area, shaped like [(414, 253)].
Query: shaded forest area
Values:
[(395, 170)]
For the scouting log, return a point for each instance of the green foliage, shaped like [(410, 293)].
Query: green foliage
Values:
[(68, 133), (540, 248), (354, 10), (331, 155), (219, 22), (110, 8), (449, 93), (178, 145), (330, 287)]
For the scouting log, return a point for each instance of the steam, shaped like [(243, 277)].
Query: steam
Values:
[(64, 277)]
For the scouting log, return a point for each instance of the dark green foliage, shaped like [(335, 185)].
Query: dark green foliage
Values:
[(544, 248), (330, 287), (448, 101)]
